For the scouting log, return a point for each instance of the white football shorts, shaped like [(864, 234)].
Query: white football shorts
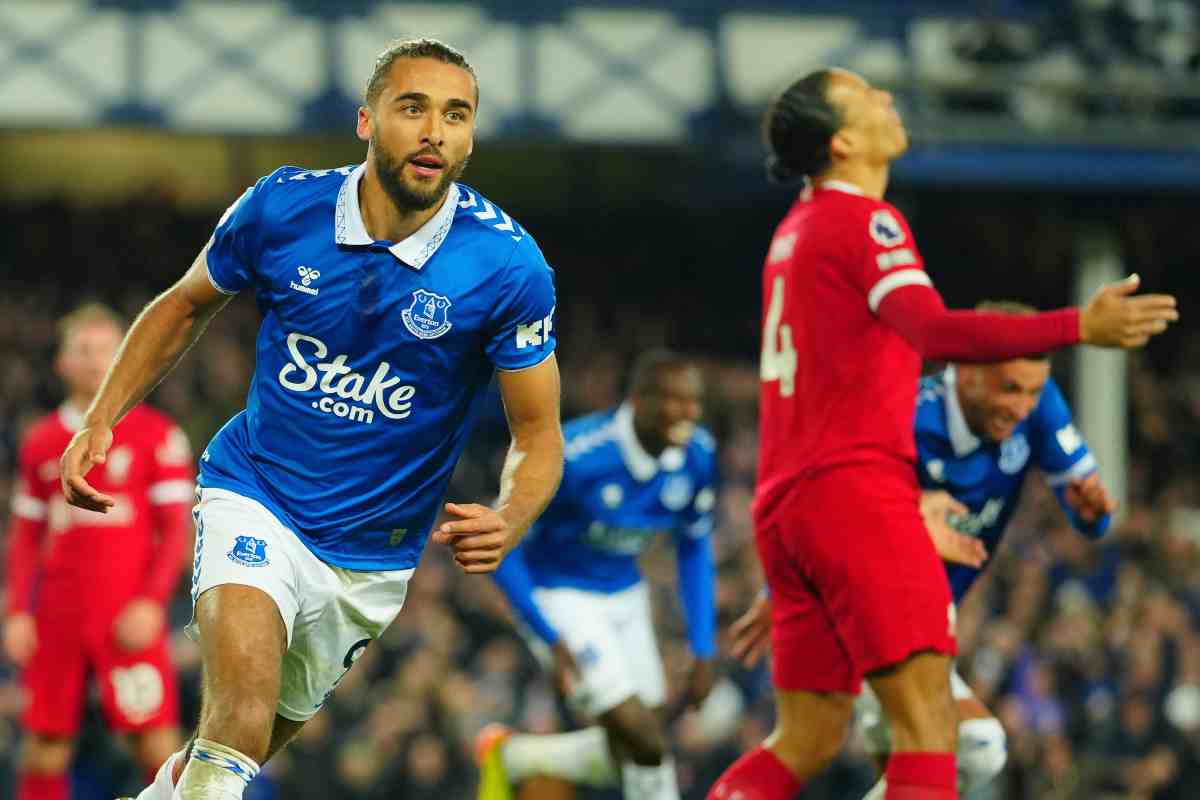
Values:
[(612, 639), (331, 614), (872, 722)]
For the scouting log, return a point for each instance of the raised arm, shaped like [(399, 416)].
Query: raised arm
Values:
[(159, 337), (481, 536), (1113, 318)]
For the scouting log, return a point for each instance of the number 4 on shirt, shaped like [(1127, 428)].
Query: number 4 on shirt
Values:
[(778, 361)]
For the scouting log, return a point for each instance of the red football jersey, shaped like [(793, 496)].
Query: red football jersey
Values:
[(839, 385), (90, 561)]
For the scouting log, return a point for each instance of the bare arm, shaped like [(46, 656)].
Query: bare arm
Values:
[(534, 463), (481, 537), (160, 336)]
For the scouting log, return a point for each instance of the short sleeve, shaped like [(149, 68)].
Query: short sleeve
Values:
[(173, 475), (890, 258), (1063, 454), (522, 331), (31, 495), (234, 247)]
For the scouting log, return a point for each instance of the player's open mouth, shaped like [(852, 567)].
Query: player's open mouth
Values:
[(680, 432), (427, 166)]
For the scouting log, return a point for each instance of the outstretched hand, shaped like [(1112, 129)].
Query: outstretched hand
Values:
[(1089, 499), (1115, 317), (481, 537), (88, 447)]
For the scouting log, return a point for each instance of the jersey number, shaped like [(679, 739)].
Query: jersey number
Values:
[(778, 361)]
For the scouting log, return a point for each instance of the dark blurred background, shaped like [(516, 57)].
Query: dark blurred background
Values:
[(1056, 145)]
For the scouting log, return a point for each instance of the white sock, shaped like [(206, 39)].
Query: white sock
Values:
[(580, 757), (877, 791), (161, 788), (215, 772), (649, 783)]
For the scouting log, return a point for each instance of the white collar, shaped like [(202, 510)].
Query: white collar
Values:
[(841, 186), (417, 248), (70, 416), (641, 464), (962, 439)]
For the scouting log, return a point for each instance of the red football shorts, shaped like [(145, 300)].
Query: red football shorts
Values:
[(138, 691), (855, 583)]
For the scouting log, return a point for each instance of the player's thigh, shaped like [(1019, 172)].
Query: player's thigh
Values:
[(245, 595), (341, 613), (55, 679), (875, 568), (139, 691), (630, 615), (605, 680), (808, 651)]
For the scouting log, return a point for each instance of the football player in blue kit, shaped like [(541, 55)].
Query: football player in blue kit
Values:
[(979, 428), (631, 473), (390, 295)]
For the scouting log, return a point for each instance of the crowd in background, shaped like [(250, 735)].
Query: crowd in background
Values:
[(1089, 654)]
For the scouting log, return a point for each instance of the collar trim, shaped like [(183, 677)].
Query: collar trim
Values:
[(962, 439), (417, 248)]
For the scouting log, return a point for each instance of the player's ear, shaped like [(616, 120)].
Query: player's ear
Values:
[(363, 129), (842, 144)]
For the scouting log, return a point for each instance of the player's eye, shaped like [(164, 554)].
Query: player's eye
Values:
[(455, 116)]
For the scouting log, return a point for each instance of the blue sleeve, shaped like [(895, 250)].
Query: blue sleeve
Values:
[(523, 324), (1063, 455), (514, 580), (697, 585), (235, 244), (697, 572), (1092, 530)]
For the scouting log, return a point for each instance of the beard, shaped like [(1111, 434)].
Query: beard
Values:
[(407, 197)]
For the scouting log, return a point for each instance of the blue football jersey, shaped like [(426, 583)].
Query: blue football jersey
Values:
[(614, 499), (987, 477), (369, 356)]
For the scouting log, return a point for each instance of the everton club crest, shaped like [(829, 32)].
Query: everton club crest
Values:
[(426, 318)]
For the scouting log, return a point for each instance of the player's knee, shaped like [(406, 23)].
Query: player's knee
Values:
[(241, 723), (808, 749), (47, 755), (645, 746), (982, 752)]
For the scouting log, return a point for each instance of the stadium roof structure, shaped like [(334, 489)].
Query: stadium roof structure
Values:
[(995, 97)]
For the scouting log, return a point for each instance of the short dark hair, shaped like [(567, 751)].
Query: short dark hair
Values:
[(644, 376), (1011, 307), (413, 48), (797, 128)]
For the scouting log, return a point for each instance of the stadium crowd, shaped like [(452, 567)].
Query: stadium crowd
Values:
[(1089, 654)]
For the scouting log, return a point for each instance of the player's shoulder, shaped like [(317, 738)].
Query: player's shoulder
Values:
[(1052, 409), (702, 447), (589, 436), (289, 188), (931, 404), (489, 225), (931, 391)]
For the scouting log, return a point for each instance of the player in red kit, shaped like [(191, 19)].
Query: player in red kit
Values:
[(849, 312), (87, 591)]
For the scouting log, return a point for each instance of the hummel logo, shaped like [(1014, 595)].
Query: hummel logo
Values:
[(307, 276)]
